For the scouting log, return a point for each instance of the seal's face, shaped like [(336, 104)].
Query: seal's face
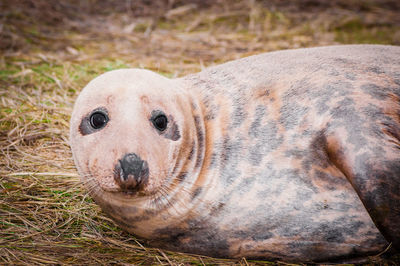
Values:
[(126, 132)]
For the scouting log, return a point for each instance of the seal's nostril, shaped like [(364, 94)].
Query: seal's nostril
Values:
[(130, 172), (131, 164)]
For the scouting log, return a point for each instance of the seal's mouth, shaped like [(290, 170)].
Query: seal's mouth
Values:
[(115, 190)]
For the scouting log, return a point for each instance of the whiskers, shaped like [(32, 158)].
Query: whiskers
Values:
[(92, 185), (173, 197)]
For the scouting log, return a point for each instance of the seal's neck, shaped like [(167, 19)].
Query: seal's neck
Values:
[(184, 182), (194, 175)]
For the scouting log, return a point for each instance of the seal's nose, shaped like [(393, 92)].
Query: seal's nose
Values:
[(131, 172)]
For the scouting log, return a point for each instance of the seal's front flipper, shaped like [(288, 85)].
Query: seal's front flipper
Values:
[(377, 183), (369, 155)]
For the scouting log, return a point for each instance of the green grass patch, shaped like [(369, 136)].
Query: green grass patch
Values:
[(141, 27), (7, 71), (9, 185), (113, 65), (355, 31)]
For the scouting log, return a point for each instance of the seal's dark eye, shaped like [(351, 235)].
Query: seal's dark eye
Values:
[(160, 122), (98, 120)]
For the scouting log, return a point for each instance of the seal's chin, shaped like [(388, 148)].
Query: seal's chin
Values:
[(129, 194)]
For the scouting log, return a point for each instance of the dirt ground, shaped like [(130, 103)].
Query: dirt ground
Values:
[(49, 50)]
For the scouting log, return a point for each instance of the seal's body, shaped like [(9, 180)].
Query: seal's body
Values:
[(291, 155)]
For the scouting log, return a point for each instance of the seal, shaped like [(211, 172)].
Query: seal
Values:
[(290, 155)]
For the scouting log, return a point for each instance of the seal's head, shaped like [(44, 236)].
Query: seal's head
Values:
[(128, 134)]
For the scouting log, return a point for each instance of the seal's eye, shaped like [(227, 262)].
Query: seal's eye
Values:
[(160, 122), (94, 121), (98, 120), (165, 125)]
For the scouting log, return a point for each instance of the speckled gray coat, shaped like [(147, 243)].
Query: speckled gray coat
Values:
[(291, 155)]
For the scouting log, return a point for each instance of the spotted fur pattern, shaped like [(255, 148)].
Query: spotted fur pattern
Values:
[(293, 155)]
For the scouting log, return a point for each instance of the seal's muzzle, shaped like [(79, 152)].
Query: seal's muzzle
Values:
[(131, 173)]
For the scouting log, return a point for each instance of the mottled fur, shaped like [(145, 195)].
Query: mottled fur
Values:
[(290, 155)]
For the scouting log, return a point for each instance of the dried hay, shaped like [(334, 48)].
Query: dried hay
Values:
[(50, 51)]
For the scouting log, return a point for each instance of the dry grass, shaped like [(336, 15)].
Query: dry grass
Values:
[(49, 52)]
